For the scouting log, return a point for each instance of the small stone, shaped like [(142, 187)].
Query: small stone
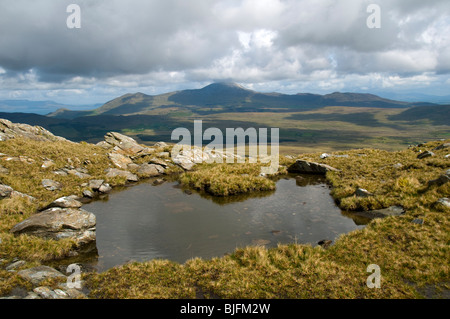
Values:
[(32, 295), (5, 191), (324, 155), (158, 181), (442, 146), (444, 202), (95, 184), (16, 265), (418, 221), (105, 188), (425, 154), (397, 165), (361, 192), (87, 193), (160, 144), (45, 293), (51, 185), (47, 164)]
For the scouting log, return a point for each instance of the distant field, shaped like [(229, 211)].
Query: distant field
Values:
[(325, 130)]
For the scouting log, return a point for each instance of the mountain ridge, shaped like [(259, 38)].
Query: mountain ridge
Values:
[(221, 97)]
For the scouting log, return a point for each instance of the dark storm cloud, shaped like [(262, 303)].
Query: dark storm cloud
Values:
[(144, 43)]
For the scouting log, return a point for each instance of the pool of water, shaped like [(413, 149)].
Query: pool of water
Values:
[(145, 221)]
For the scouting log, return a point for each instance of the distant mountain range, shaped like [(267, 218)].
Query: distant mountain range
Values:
[(154, 117), (230, 97)]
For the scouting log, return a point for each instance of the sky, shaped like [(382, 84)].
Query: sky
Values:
[(286, 46)]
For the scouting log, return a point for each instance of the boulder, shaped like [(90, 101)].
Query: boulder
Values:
[(9, 130), (57, 223), (36, 275), (382, 213), (305, 167), (124, 142), (114, 172)]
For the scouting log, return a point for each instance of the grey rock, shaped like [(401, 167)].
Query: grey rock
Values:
[(105, 188), (418, 221), (442, 147), (325, 243), (324, 155), (51, 185), (9, 130), (3, 170), (425, 154), (60, 172), (87, 193), (445, 202), (158, 181), (95, 184), (5, 191), (47, 164), (382, 213), (361, 192), (114, 172), (441, 180), (150, 170), (397, 165), (16, 265), (36, 275), (57, 223), (66, 202), (159, 162), (132, 166), (305, 167), (45, 293), (164, 154), (160, 144), (32, 295), (78, 173), (121, 161)]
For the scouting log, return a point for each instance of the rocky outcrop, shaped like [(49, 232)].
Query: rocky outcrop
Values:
[(9, 130), (305, 167), (125, 143), (58, 223), (442, 147)]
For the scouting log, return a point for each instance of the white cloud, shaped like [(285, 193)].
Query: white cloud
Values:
[(291, 45)]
